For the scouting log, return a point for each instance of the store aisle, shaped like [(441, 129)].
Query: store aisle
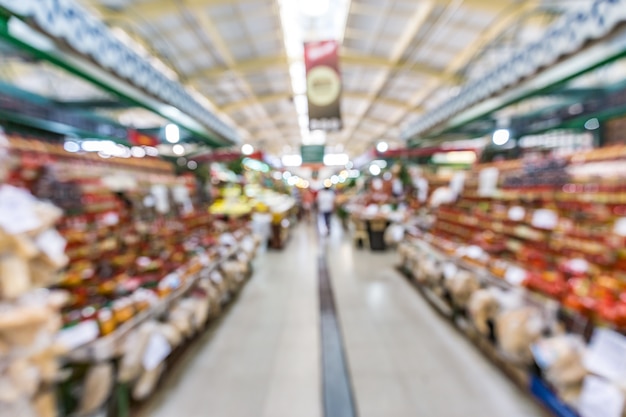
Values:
[(404, 359), (263, 359)]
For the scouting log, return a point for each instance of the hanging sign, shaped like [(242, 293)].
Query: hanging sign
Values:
[(323, 85)]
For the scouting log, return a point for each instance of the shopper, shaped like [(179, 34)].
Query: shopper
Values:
[(326, 205)]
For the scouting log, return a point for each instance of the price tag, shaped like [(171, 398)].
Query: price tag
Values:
[(17, 214), (515, 275), (449, 270), (52, 244), (488, 182), (204, 259), (474, 252), (517, 213), (161, 198), (600, 398), (606, 355), (157, 350), (110, 219), (545, 219), (620, 227), (78, 335)]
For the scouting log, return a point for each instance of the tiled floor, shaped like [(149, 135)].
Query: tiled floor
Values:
[(264, 358)]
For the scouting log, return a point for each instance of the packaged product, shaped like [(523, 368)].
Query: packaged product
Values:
[(461, 286), (517, 330), (97, 388), (483, 307), (147, 383)]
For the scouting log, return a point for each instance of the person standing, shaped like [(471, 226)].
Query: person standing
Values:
[(326, 205)]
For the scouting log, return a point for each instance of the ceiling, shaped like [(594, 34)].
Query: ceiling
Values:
[(399, 58)]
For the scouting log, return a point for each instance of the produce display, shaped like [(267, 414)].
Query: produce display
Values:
[(31, 256), (560, 221), (527, 262), (133, 267)]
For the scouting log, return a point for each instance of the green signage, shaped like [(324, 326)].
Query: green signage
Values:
[(312, 154)]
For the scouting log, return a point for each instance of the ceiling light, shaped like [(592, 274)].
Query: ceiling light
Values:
[(172, 133), (138, 151), (192, 165), (501, 136), (592, 124), (71, 146), (292, 160), (286, 175), (178, 149), (382, 147), (247, 149), (334, 179), (337, 159), (374, 169), (327, 183), (314, 8)]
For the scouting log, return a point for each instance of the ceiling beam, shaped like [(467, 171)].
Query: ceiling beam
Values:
[(346, 58), (405, 40), (208, 25), (502, 22), (239, 105)]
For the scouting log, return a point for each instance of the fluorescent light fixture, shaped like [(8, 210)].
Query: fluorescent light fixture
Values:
[(247, 149), (314, 8), (303, 121), (302, 104), (382, 147), (592, 124), (138, 151), (501, 136), (336, 159), (455, 157), (192, 165), (374, 169), (172, 133), (71, 146), (178, 149), (292, 160), (151, 151)]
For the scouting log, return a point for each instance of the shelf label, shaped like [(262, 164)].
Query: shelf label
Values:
[(515, 275), (17, 214), (545, 219), (488, 182), (449, 270), (52, 244), (517, 213), (620, 227), (157, 350), (606, 355), (600, 398), (78, 335)]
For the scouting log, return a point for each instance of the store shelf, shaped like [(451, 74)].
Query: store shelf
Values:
[(105, 348)]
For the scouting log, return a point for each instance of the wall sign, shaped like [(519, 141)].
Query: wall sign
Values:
[(87, 35), (323, 85), (567, 35)]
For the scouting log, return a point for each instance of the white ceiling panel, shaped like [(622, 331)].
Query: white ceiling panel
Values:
[(232, 62)]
